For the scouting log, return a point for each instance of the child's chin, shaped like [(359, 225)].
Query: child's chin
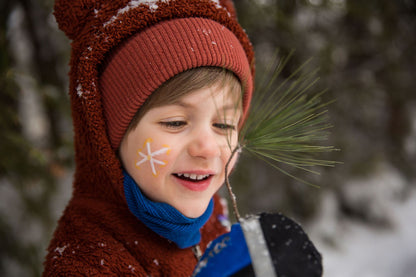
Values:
[(192, 211)]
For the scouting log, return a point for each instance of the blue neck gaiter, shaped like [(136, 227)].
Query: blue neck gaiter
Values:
[(164, 219)]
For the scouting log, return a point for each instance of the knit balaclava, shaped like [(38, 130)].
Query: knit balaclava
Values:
[(123, 50)]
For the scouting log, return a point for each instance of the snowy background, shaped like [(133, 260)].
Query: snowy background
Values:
[(357, 249), (363, 216)]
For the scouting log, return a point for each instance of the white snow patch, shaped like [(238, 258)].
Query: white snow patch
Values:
[(360, 249), (224, 205), (61, 250), (132, 269), (371, 196), (79, 90), (152, 4), (410, 142), (206, 32), (217, 4), (134, 4)]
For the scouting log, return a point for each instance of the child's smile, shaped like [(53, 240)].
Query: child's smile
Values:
[(194, 181), (177, 152)]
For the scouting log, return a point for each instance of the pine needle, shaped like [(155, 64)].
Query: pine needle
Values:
[(287, 124)]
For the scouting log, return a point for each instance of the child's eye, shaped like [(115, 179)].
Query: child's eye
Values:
[(224, 126), (173, 124)]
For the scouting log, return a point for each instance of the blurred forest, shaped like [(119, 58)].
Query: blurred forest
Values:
[(365, 51)]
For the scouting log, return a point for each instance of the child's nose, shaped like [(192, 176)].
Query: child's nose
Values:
[(204, 144)]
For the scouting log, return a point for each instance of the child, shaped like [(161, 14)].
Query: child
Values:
[(158, 92)]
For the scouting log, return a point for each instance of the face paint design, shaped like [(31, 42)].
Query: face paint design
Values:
[(149, 156)]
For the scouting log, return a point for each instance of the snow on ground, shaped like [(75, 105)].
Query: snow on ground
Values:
[(363, 251)]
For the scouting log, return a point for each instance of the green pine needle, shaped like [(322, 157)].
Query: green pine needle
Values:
[(288, 123)]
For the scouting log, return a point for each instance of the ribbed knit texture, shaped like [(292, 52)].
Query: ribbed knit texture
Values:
[(149, 58), (164, 219)]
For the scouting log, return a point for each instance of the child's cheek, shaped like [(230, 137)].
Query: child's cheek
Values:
[(234, 161), (152, 157)]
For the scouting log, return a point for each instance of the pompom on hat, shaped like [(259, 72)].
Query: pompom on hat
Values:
[(124, 50)]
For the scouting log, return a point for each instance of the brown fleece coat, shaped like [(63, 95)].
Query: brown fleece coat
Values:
[(97, 234), (98, 238)]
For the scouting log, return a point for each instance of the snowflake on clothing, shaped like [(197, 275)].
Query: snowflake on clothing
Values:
[(149, 156)]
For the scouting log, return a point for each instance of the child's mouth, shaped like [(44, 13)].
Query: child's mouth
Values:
[(192, 177), (194, 182)]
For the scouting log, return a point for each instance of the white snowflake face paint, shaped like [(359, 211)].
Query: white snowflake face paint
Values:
[(183, 162), (149, 156)]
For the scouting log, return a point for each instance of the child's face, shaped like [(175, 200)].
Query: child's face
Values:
[(177, 153)]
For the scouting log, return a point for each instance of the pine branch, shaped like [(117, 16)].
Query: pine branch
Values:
[(227, 183), (287, 124)]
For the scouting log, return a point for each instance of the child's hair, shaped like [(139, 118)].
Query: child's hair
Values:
[(187, 82)]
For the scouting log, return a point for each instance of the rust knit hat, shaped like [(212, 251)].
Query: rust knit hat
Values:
[(124, 50), (156, 54)]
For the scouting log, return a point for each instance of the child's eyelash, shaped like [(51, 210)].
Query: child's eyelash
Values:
[(178, 124), (224, 126), (173, 124)]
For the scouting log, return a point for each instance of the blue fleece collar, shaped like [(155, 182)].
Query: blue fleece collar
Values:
[(164, 219)]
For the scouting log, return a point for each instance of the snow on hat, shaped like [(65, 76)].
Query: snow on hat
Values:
[(144, 43)]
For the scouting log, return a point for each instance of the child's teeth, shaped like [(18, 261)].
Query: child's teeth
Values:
[(192, 176)]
